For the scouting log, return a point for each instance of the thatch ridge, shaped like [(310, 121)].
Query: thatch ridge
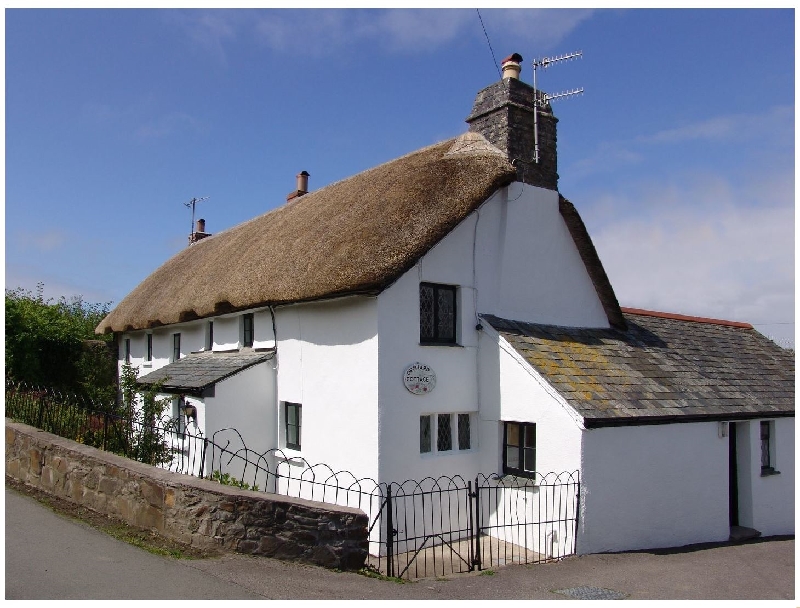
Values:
[(357, 235)]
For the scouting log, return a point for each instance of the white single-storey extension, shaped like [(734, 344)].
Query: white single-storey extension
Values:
[(446, 313)]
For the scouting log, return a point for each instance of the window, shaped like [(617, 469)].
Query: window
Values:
[(424, 434), (127, 350), (210, 336), (293, 417), (464, 436), (519, 449), (447, 435), (767, 447), (176, 347), (437, 314), (247, 329), (444, 433), (149, 349)]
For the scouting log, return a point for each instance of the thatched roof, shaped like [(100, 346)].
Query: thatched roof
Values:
[(355, 236)]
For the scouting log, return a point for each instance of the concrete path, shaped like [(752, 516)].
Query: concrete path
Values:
[(51, 557)]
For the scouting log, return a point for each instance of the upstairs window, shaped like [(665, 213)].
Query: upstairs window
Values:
[(176, 347), (127, 350), (437, 314), (210, 336), (149, 350), (247, 329), (519, 449)]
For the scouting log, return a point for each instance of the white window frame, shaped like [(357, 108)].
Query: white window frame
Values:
[(455, 443)]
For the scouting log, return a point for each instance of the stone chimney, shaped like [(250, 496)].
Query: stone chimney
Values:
[(199, 233), (504, 114), (302, 186)]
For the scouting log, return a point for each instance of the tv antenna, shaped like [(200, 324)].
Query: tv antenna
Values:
[(192, 203), (541, 98)]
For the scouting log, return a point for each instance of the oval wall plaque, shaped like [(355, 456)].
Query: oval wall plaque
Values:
[(419, 379)]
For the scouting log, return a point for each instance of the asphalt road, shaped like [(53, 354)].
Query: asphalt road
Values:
[(51, 557)]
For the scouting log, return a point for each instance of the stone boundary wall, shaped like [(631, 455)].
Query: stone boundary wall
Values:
[(192, 511)]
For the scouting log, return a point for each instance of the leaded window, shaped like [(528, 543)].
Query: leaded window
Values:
[(463, 432), (437, 314), (444, 433), (425, 434), (519, 449)]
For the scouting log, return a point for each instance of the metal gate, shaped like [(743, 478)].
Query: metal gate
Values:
[(437, 527)]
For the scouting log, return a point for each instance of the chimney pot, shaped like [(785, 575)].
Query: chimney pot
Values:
[(302, 182), (201, 226), (511, 66), (302, 186)]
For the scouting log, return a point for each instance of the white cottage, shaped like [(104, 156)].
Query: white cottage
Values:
[(447, 313)]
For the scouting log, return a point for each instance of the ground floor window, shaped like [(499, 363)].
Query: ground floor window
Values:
[(452, 431), (519, 448), (767, 448), (293, 419)]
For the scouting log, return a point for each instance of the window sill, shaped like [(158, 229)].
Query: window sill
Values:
[(447, 344), (769, 472)]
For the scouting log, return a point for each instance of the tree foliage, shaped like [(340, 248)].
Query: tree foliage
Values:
[(51, 343)]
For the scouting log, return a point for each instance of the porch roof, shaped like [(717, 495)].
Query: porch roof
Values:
[(198, 371), (662, 369)]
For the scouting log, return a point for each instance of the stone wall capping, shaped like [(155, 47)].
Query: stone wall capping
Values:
[(197, 512)]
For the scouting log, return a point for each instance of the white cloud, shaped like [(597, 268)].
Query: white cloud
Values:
[(704, 249), (167, 124), (773, 128), (775, 122), (41, 241), (396, 30), (141, 119)]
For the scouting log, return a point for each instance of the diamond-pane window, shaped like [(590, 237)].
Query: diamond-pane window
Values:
[(424, 434), (437, 314), (463, 432), (444, 433)]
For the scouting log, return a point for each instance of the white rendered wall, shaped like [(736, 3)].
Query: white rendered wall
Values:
[(244, 402), (766, 503), (663, 485), (227, 333), (328, 363), (528, 267)]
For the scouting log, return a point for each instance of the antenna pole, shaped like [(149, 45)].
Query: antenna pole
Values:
[(539, 100), (192, 204)]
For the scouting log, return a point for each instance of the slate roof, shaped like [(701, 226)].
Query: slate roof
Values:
[(661, 369), (198, 371)]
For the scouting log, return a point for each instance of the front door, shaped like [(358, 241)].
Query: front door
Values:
[(733, 486)]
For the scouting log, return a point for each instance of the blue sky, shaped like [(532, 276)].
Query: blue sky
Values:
[(679, 156)]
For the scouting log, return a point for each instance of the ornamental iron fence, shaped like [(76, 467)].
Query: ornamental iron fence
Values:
[(417, 528)]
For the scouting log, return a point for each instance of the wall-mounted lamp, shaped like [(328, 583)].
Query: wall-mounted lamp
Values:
[(190, 412)]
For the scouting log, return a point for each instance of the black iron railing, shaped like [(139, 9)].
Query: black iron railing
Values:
[(432, 527)]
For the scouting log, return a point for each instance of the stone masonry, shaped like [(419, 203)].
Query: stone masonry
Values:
[(196, 512), (504, 114)]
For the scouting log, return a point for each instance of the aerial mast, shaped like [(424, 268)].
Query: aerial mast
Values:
[(541, 98), (192, 203)]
